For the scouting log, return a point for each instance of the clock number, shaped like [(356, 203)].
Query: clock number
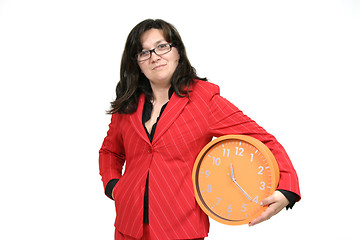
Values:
[(209, 188), (239, 151), (261, 170), (243, 208), (256, 199), (219, 199), (229, 209), (262, 186), (216, 161), (226, 152), (252, 157), (207, 173)]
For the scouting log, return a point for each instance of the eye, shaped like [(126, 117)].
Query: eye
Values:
[(162, 46), (144, 53)]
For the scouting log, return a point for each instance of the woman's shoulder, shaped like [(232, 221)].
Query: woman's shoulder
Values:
[(205, 87)]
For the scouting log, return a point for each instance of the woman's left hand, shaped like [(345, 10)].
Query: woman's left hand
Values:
[(276, 202)]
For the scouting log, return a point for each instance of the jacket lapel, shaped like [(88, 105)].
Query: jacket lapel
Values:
[(171, 112), (136, 119)]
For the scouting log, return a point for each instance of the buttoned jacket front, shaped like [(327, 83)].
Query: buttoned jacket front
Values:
[(185, 127)]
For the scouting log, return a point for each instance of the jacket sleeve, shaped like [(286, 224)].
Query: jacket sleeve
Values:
[(225, 118), (112, 154)]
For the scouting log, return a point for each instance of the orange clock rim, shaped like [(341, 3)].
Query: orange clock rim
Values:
[(265, 151)]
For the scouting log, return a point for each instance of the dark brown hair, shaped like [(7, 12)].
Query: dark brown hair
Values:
[(133, 82)]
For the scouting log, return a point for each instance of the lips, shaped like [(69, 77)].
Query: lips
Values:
[(159, 67)]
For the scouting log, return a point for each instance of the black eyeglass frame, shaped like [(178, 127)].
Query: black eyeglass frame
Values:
[(153, 51)]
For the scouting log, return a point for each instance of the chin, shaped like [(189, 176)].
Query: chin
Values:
[(161, 80)]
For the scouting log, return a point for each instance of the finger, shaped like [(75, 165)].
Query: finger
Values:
[(276, 202), (263, 217), (273, 209), (266, 215), (267, 201), (276, 197)]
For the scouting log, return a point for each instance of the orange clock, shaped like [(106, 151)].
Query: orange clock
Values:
[(231, 175)]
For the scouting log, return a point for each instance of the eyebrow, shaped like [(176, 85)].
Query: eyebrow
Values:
[(158, 42)]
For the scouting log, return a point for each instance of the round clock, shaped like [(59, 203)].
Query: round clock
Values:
[(231, 175)]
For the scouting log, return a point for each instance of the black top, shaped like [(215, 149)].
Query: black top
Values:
[(148, 107)]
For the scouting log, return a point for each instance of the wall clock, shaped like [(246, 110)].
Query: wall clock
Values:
[(231, 175)]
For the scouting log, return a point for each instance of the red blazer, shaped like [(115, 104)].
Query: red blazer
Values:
[(185, 127)]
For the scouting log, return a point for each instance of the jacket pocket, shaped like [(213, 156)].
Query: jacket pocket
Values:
[(117, 189)]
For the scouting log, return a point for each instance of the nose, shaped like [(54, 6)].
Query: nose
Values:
[(154, 57)]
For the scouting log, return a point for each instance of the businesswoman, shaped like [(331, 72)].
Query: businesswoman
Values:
[(163, 115)]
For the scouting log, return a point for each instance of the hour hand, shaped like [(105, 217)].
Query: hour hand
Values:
[(232, 171)]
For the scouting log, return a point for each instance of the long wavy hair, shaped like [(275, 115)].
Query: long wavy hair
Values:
[(133, 82)]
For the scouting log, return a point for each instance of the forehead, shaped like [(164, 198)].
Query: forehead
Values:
[(151, 38)]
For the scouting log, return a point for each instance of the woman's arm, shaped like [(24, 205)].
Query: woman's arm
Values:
[(112, 156)]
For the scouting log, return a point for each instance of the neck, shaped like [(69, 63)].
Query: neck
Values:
[(161, 94)]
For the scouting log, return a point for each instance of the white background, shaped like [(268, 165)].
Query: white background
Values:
[(292, 66)]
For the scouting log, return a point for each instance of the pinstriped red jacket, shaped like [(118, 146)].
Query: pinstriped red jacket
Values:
[(185, 127)]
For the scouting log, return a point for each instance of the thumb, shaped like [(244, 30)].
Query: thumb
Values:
[(267, 201)]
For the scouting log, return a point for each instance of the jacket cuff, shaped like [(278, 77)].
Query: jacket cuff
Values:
[(109, 187), (291, 197)]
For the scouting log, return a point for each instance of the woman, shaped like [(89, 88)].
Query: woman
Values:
[(163, 115)]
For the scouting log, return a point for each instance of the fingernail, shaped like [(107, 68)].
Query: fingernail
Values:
[(261, 204)]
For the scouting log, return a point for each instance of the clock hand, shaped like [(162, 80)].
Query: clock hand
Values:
[(232, 171), (234, 180), (247, 195)]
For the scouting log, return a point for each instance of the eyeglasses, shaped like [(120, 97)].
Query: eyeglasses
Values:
[(159, 50)]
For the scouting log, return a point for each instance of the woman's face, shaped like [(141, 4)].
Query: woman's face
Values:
[(158, 69)]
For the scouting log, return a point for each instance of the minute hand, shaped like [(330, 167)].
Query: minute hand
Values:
[(247, 195), (234, 180)]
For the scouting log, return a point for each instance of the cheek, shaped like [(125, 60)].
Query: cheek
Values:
[(142, 67), (177, 56), (175, 59), (172, 56), (175, 63)]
